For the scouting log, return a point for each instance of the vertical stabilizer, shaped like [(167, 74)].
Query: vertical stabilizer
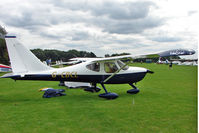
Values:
[(22, 60)]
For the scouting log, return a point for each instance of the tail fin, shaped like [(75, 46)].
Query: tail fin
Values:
[(22, 60)]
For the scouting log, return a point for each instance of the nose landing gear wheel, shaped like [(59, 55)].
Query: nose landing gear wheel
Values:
[(135, 90)]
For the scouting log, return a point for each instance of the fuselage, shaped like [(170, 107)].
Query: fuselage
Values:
[(89, 72)]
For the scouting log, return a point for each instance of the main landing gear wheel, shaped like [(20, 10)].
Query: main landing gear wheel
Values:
[(133, 91), (108, 95), (92, 89)]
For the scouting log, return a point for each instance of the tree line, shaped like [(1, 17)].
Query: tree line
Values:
[(56, 55)]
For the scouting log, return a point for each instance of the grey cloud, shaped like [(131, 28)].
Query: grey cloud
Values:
[(124, 43), (27, 20), (74, 45), (192, 12), (125, 11), (166, 39), (137, 22), (111, 17), (115, 17), (134, 26), (52, 36), (31, 16), (81, 46), (114, 9), (24, 20), (80, 36), (75, 35)]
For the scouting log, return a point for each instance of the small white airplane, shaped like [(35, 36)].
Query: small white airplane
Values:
[(26, 66), (5, 68), (160, 61), (60, 63)]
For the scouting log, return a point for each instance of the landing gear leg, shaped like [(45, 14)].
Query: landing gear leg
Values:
[(61, 83), (135, 90), (94, 88), (104, 88), (107, 95), (97, 89)]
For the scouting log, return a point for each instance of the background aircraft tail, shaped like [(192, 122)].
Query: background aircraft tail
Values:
[(23, 60)]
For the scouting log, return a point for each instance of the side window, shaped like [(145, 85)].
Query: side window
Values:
[(110, 67), (94, 67)]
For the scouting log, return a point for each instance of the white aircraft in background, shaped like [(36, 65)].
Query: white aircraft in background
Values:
[(26, 66), (160, 61)]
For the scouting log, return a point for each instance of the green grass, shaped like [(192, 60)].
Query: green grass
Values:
[(167, 103)]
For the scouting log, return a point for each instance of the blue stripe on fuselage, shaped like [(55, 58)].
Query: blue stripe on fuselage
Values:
[(117, 79)]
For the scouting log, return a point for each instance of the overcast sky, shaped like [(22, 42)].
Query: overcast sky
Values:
[(103, 27)]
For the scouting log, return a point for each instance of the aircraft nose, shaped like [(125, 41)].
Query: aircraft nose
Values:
[(149, 71), (192, 51)]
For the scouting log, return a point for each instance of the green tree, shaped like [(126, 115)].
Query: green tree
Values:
[(55, 55), (3, 52)]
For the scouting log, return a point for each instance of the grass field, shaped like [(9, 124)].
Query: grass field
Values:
[(167, 103)]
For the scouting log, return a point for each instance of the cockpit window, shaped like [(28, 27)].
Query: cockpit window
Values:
[(94, 67), (110, 67), (121, 64)]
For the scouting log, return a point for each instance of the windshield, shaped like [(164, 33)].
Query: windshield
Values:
[(121, 64)]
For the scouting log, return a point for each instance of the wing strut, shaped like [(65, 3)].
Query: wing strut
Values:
[(115, 73)]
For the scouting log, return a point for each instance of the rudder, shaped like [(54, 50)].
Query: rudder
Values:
[(22, 60)]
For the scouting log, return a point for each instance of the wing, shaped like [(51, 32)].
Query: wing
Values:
[(175, 52), (67, 63), (83, 59)]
